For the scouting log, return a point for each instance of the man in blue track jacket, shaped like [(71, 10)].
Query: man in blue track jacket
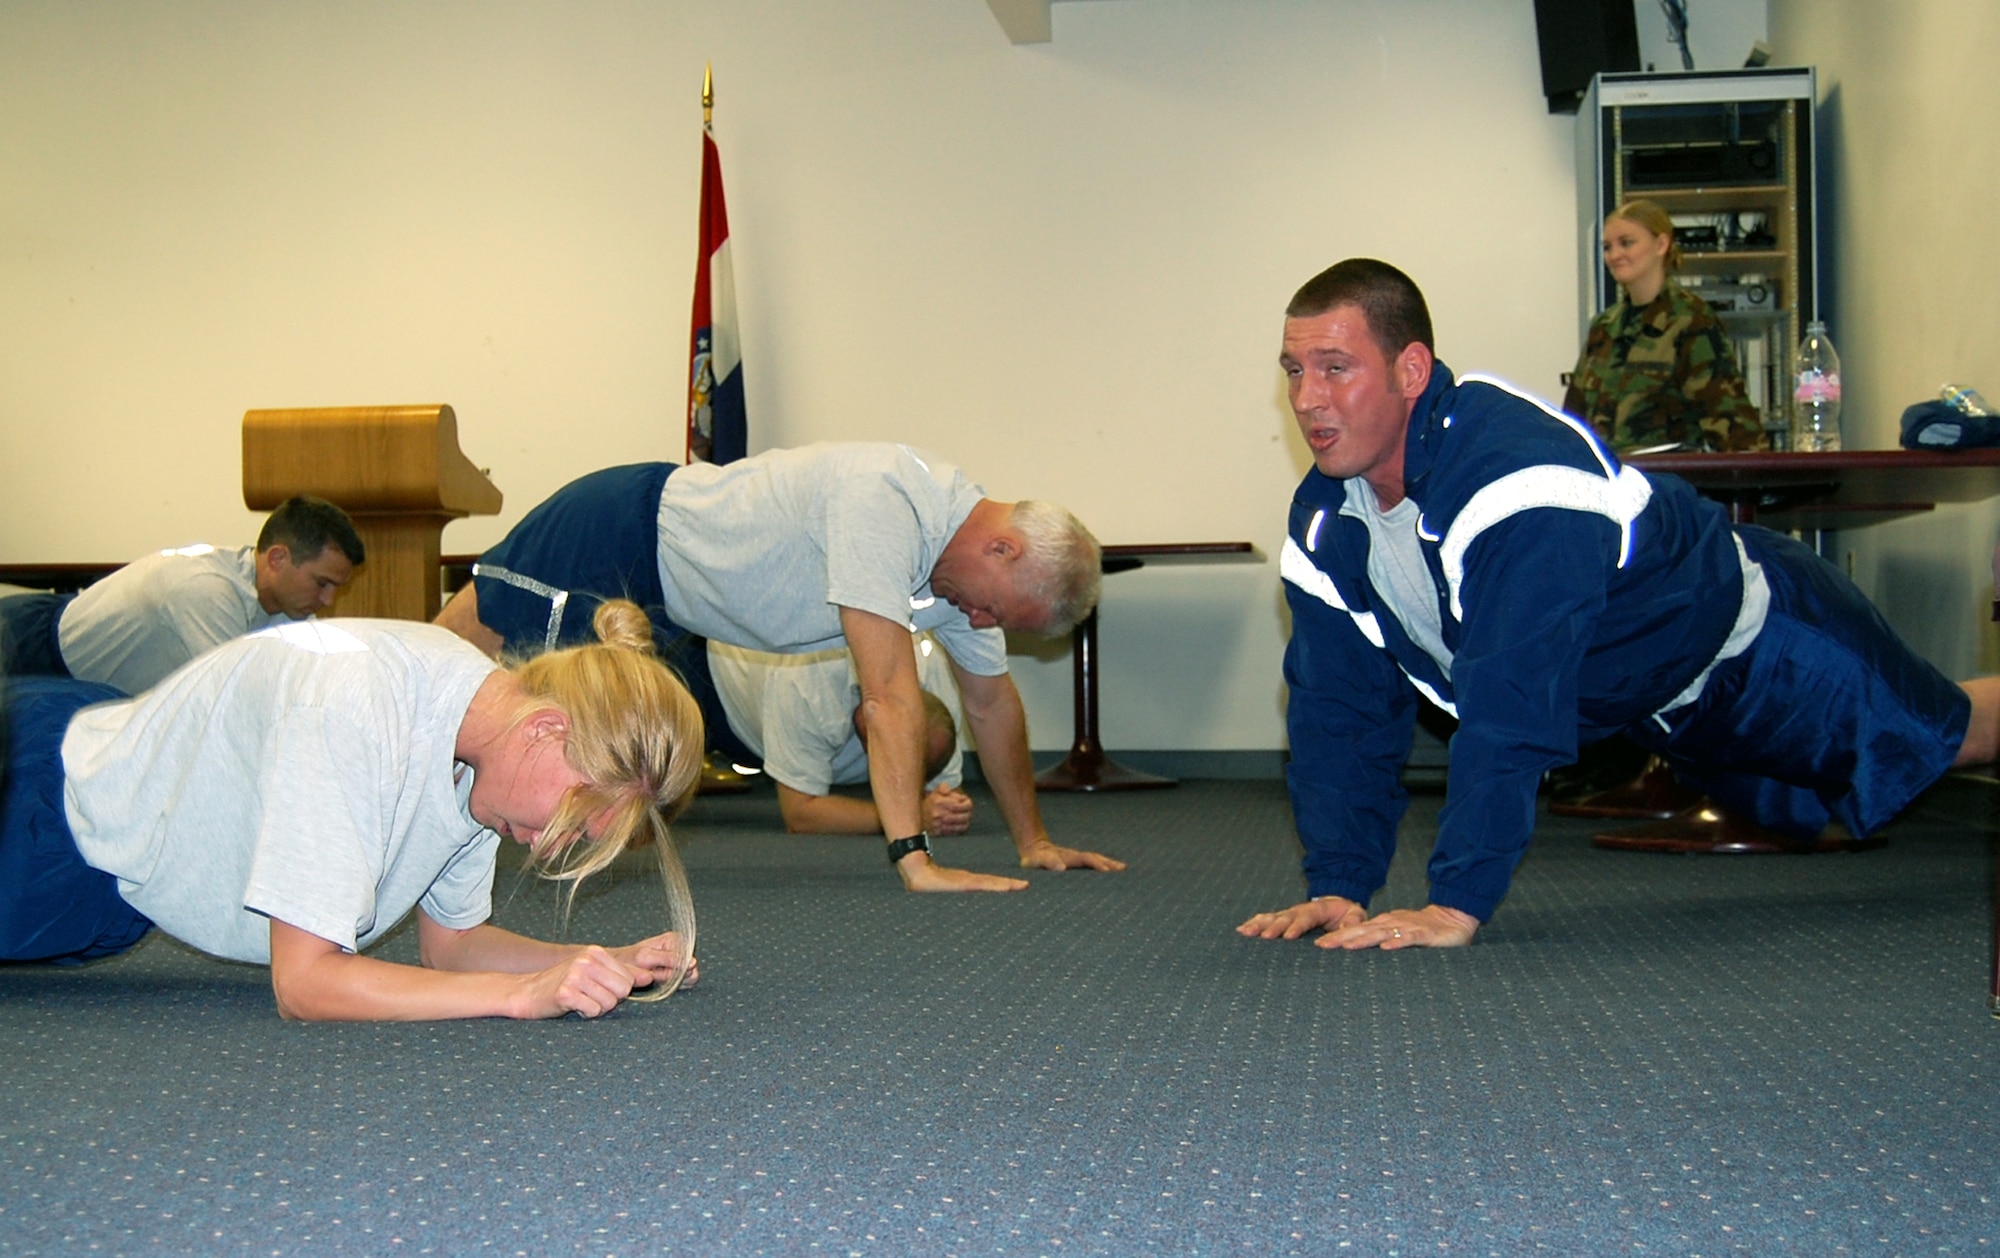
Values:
[(1460, 540)]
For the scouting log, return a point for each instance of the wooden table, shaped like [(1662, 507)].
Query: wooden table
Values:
[(1086, 767), (1840, 490)]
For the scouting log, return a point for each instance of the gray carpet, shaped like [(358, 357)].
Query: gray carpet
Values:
[(1641, 1054)]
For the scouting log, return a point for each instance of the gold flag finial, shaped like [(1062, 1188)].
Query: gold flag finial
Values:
[(707, 94)]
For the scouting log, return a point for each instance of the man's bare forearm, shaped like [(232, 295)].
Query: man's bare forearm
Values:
[(892, 715), (1000, 725), (827, 814)]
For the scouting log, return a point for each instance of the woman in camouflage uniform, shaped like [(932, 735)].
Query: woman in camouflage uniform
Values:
[(1657, 367)]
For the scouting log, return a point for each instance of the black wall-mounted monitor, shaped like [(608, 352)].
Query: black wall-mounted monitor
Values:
[(1578, 39)]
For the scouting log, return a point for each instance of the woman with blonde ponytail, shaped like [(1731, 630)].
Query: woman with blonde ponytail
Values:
[(629, 718), (291, 796)]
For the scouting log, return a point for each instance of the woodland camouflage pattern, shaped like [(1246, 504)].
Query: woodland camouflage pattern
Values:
[(1663, 374)]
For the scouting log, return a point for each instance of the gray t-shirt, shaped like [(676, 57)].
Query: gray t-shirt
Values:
[(304, 773), (153, 615), (797, 712), (1397, 570), (764, 552)]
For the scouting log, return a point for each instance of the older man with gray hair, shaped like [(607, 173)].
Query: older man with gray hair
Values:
[(809, 549)]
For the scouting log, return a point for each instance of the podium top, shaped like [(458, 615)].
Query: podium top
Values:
[(364, 458)]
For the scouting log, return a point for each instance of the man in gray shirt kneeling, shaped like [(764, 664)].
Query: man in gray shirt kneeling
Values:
[(797, 714), (143, 621), (853, 544)]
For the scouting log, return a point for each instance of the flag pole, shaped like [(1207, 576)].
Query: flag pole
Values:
[(698, 394), (717, 427)]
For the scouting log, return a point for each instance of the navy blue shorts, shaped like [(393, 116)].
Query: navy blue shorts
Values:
[(53, 907), (29, 646), (596, 538), (1828, 714)]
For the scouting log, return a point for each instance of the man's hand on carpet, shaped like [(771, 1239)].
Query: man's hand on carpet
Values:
[(1433, 926), (921, 874), (1046, 855), (947, 811), (1329, 912)]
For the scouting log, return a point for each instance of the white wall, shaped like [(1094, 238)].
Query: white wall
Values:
[(1061, 265), (1910, 151)]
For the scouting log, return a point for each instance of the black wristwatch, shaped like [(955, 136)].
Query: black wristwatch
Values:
[(899, 848)]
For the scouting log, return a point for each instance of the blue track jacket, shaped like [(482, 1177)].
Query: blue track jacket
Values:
[(1577, 595)]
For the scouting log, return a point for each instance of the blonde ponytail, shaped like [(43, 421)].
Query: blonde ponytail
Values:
[(636, 735)]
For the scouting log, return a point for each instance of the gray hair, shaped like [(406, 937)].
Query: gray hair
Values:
[(1065, 563)]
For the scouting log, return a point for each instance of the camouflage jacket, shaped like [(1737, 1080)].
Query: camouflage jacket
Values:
[(1665, 373)]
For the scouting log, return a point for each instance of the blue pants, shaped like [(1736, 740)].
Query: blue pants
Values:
[(28, 643), (596, 538), (53, 907), (1828, 714)]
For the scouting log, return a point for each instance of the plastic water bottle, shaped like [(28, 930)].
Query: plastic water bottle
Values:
[(1816, 392), (1964, 399)]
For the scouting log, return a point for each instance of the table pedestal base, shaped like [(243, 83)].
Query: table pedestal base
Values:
[(1655, 795), (1086, 767), (1711, 830), (1089, 769)]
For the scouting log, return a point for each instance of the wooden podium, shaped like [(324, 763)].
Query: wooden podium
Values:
[(397, 470)]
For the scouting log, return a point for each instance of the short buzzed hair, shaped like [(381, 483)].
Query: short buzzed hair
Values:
[(1064, 563), (940, 732), (1388, 299), (305, 526)]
